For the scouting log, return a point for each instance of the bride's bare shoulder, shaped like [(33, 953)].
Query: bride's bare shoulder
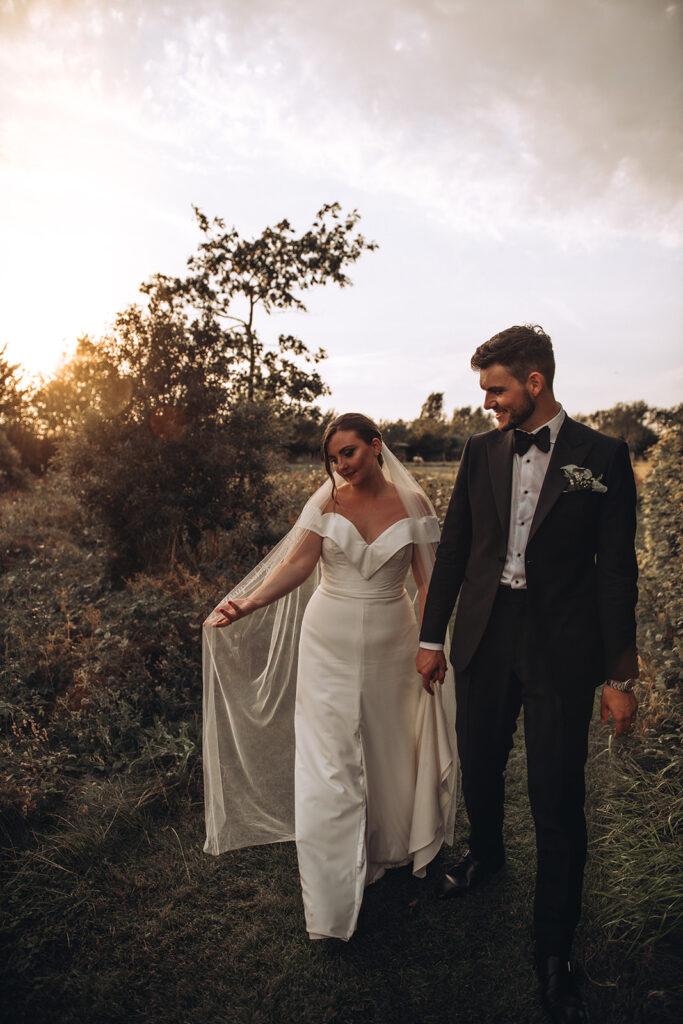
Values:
[(420, 498), (423, 504), (391, 494)]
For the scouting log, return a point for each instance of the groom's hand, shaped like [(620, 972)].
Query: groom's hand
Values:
[(622, 707), (432, 667)]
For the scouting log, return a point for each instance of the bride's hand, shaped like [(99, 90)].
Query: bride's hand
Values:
[(231, 611)]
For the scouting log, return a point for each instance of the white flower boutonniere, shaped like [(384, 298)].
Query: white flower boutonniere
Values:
[(580, 478)]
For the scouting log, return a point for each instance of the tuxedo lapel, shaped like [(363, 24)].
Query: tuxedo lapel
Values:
[(499, 451), (571, 447)]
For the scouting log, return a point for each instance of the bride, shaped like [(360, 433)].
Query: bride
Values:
[(315, 724)]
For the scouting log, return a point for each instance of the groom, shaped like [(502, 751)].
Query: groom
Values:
[(538, 545)]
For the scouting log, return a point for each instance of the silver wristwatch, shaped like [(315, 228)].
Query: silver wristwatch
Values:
[(623, 686)]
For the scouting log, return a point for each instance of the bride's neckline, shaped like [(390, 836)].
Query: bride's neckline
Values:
[(369, 543)]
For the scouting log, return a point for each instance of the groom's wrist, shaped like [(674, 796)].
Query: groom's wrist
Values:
[(430, 646)]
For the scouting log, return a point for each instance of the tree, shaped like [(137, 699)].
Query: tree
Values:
[(628, 421), (12, 401), (432, 407), (86, 382), (396, 433), (12, 475), (430, 436), (12, 396), (302, 430), (430, 432), (465, 422), (665, 419), (232, 280), (183, 415)]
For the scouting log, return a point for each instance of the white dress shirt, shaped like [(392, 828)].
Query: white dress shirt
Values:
[(528, 474)]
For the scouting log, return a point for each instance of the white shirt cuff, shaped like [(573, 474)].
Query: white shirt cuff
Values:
[(431, 647)]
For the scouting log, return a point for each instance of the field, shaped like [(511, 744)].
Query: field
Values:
[(112, 913)]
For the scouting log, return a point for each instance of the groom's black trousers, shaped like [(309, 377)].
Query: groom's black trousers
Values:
[(502, 677)]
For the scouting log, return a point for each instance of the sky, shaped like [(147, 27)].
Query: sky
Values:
[(515, 160)]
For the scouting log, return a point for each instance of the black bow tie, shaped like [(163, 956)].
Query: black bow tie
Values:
[(524, 441)]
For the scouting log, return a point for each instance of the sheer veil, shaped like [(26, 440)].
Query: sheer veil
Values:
[(249, 671)]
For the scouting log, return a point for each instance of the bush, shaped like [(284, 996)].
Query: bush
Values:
[(34, 452), (11, 473), (158, 485), (660, 547), (93, 681), (120, 697)]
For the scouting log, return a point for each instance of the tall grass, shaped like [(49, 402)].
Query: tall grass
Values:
[(110, 910), (637, 823)]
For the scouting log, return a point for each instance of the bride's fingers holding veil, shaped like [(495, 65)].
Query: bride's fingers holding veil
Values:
[(229, 612)]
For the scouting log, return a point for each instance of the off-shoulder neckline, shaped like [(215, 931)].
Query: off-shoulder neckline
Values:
[(368, 543)]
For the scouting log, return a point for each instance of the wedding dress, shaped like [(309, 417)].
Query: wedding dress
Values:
[(315, 723), (361, 805)]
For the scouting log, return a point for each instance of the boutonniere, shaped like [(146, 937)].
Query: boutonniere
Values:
[(580, 478)]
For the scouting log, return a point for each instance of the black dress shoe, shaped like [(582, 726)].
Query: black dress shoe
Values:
[(466, 875), (562, 998)]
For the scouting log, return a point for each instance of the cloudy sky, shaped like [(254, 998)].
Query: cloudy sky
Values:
[(516, 160)]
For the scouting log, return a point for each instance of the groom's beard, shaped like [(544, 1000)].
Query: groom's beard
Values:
[(520, 414)]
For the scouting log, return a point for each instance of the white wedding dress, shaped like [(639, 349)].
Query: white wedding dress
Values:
[(374, 760)]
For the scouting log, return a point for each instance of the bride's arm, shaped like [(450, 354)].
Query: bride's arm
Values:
[(286, 577)]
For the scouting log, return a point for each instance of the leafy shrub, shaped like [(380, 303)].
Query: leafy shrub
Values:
[(157, 487), (35, 452), (11, 472), (93, 680), (660, 551)]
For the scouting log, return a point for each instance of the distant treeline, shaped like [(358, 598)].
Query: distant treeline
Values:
[(35, 420), (435, 436)]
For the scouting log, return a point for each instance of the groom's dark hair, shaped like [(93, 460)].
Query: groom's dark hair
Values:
[(521, 350)]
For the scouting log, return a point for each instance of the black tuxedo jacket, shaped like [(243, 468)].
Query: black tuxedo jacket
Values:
[(581, 566)]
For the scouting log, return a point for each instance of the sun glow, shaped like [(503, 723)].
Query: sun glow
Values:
[(117, 118), (79, 202)]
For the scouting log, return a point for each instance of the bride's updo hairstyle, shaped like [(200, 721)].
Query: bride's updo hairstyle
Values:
[(361, 425)]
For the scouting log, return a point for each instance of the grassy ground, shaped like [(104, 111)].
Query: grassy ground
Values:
[(111, 912), (115, 914)]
